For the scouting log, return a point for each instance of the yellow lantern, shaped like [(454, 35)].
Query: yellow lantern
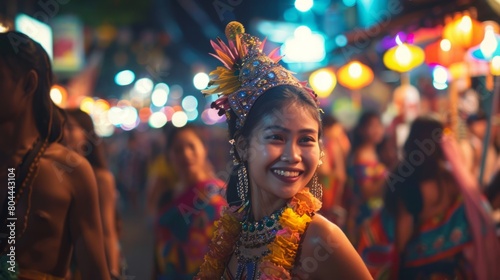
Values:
[(463, 31), (355, 75), (323, 81), (403, 57)]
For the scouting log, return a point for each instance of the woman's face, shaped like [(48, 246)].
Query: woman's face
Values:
[(374, 131), (283, 153), (74, 135), (187, 153)]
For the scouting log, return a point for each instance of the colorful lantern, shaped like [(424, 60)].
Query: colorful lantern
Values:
[(403, 57), (355, 75), (323, 81), (443, 53), (489, 46), (463, 31)]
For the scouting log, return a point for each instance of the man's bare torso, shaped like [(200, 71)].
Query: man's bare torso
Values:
[(46, 244)]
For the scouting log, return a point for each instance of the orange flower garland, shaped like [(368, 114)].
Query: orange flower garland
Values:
[(283, 250)]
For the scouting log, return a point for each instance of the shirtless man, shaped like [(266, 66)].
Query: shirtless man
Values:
[(57, 210)]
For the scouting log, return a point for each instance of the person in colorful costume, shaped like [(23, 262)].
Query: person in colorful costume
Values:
[(270, 229), (332, 173), (184, 221), (434, 224), (54, 191), (366, 173)]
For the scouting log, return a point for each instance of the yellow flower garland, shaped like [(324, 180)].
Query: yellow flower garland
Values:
[(283, 250)]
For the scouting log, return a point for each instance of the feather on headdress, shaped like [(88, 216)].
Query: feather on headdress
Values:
[(247, 72)]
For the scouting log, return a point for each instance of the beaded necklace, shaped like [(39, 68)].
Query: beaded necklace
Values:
[(277, 261), (27, 171)]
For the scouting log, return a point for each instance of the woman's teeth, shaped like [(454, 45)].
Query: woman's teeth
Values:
[(286, 173)]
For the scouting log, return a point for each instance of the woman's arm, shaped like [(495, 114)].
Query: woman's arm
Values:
[(328, 254), (86, 225), (107, 203)]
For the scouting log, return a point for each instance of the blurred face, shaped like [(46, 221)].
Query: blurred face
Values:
[(187, 153), (479, 128), (74, 135), (335, 135), (283, 153), (374, 131)]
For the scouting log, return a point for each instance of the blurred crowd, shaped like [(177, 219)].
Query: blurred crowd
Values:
[(382, 195), (423, 197)]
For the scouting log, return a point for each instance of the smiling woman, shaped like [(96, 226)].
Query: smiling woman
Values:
[(273, 191)]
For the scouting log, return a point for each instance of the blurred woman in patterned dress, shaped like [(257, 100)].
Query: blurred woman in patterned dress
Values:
[(183, 224), (435, 223), (366, 172)]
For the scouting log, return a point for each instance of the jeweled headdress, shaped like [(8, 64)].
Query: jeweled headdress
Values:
[(247, 73)]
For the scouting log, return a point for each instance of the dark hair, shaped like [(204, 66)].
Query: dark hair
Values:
[(493, 189), (272, 100), (21, 54), (173, 132), (424, 160), (329, 121), (480, 116), (94, 152), (358, 137)]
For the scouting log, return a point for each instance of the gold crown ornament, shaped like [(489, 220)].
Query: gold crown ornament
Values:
[(247, 73)]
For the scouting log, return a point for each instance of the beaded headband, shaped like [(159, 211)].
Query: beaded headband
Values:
[(247, 73)]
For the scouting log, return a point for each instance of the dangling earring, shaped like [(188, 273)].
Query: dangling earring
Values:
[(242, 187), (242, 183), (316, 188)]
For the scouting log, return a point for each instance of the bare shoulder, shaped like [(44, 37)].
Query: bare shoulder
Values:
[(105, 182), (324, 233), (104, 176), (67, 157), (327, 254), (68, 165)]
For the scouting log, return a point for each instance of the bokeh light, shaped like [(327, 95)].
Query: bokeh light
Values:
[(130, 118), (192, 115), (440, 74), (87, 105), (341, 40), (144, 114), (495, 66), (144, 85), (304, 5), (304, 39), (58, 94), (115, 115), (179, 119), (159, 97), (189, 103), (323, 81), (157, 120), (3, 28), (104, 130), (445, 45), (355, 69), (124, 78), (176, 92), (201, 80), (439, 86)]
